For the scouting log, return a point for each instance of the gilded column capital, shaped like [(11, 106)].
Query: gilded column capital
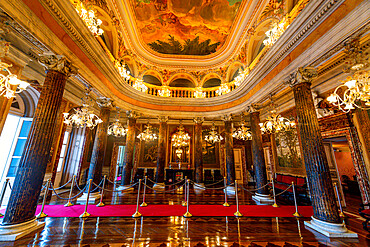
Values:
[(132, 114), (302, 75), (227, 117), (255, 107), (163, 119), (58, 63), (199, 120), (104, 102)]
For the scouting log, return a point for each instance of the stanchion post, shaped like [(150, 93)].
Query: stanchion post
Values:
[(237, 213), (101, 203), (69, 203), (137, 214), (85, 213), (143, 204), (225, 204), (296, 214), (273, 192), (42, 214), (3, 193), (187, 214), (341, 214), (184, 202)]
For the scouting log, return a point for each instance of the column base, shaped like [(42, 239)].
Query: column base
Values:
[(230, 190), (125, 188), (263, 199), (199, 187), (159, 186), (93, 198), (331, 230), (16, 231)]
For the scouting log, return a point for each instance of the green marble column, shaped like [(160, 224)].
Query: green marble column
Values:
[(161, 158), (229, 151)]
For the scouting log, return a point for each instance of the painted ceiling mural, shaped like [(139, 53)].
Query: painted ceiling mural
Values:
[(185, 27)]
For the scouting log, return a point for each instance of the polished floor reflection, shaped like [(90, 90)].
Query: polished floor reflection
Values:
[(178, 231)]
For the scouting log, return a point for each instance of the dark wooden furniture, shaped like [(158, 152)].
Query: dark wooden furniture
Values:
[(283, 181), (365, 213), (174, 175)]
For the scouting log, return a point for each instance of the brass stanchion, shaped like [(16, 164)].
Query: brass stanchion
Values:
[(143, 204), (68, 204), (185, 200), (101, 203), (137, 214), (341, 214), (225, 204), (237, 213), (273, 192), (85, 213), (3, 193), (42, 214), (187, 214), (296, 214)]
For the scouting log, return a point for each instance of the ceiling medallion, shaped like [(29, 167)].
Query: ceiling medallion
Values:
[(356, 92), (275, 32), (91, 21), (223, 89), (242, 133), (164, 92), (213, 137), (82, 117), (180, 138), (139, 85), (9, 84), (116, 129), (198, 93), (147, 134), (276, 123)]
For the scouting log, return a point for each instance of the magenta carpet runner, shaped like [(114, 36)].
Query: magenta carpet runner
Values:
[(173, 210)]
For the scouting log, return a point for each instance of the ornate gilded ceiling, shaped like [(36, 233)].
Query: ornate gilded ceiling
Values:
[(185, 27)]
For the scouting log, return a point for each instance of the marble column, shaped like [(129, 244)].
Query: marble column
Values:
[(262, 194), (161, 158), (100, 142), (198, 155), (325, 212), (29, 179), (229, 151), (128, 162)]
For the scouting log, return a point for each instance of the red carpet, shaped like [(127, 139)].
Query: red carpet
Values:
[(174, 210)]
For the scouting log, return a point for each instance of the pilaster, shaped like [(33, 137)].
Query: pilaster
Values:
[(198, 155)]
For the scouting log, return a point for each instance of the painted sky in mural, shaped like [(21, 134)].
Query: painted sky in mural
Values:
[(189, 27)]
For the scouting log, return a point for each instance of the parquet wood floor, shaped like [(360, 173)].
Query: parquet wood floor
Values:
[(178, 231)]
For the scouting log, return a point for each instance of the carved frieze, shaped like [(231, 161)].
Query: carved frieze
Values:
[(334, 122)]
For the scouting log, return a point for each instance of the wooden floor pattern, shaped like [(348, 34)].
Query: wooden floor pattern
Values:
[(178, 231)]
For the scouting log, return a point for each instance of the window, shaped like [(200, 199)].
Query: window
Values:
[(63, 151), (19, 145)]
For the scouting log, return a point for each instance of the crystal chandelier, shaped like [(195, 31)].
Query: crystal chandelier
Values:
[(125, 74), (243, 133), (147, 134), (9, 83), (82, 117), (180, 138), (356, 92), (198, 93), (116, 129), (164, 92), (139, 85), (240, 78), (274, 33), (212, 136), (91, 21), (223, 89), (276, 123)]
